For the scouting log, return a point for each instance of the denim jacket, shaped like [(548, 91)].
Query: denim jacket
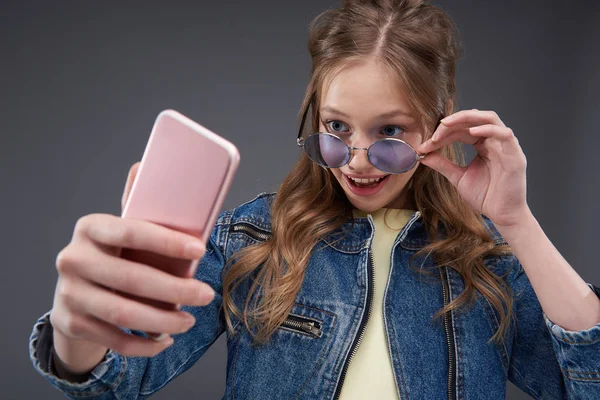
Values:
[(309, 353)]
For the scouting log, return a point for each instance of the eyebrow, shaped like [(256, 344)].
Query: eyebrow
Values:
[(389, 114)]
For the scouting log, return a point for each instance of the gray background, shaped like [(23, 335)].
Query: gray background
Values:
[(81, 84)]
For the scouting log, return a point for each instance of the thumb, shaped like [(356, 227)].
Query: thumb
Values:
[(130, 178), (437, 161)]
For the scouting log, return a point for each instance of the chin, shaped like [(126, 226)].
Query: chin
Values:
[(367, 208), (373, 205)]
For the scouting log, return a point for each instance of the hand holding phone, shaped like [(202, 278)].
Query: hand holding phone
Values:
[(115, 269), (182, 181)]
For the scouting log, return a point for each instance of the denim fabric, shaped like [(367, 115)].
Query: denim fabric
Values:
[(540, 357)]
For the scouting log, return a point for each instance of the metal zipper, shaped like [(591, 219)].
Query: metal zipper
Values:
[(387, 337), (363, 324), (304, 325), (251, 230), (449, 339)]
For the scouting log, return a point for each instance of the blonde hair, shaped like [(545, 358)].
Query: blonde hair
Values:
[(419, 44)]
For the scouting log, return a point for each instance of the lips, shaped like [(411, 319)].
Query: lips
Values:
[(367, 190)]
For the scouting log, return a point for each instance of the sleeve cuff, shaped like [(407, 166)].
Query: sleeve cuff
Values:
[(104, 377), (578, 352)]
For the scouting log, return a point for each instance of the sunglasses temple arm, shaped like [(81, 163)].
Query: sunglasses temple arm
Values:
[(422, 156), (303, 121)]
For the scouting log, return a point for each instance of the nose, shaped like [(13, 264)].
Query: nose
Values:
[(359, 160)]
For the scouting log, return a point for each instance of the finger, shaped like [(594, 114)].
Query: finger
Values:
[(96, 331), (455, 135), (464, 119), (86, 298), (506, 139), (500, 133), (440, 163), (469, 135), (135, 278), (137, 234), (129, 183), (472, 118)]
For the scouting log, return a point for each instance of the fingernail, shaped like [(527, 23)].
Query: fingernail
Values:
[(190, 321), (161, 337), (194, 249), (207, 294), (168, 341)]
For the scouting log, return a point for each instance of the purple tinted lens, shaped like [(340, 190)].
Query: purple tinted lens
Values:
[(326, 150), (392, 156)]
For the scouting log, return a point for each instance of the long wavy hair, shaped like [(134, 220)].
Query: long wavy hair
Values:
[(419, 44)]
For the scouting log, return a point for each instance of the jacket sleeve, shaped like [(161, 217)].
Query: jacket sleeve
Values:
[(547, 361), (120, 377)]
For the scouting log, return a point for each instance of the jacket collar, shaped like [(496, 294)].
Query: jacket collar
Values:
[(352, 237), (357, 234)]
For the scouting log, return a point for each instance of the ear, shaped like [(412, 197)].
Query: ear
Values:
[(449, 107)]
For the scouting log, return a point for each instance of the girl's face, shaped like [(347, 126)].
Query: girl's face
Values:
[(361, 105)]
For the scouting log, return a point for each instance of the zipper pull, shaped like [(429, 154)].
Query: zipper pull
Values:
[(311, 328)]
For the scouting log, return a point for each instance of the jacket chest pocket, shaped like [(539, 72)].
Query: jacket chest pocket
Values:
[(291, 364), (303, 325)]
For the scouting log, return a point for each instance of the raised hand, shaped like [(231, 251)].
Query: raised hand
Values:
[(493, 183)]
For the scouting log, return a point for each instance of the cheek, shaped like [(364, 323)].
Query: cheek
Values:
[(400, 181), (337, 173)]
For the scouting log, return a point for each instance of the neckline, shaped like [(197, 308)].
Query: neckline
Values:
[(392, 211)]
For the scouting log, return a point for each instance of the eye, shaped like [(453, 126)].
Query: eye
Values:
[(392, 130), (337, 126)]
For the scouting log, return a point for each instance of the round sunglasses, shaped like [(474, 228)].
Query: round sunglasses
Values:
[(390, 155)]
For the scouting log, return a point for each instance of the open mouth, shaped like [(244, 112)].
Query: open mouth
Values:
[(371, 182), (365, 187)]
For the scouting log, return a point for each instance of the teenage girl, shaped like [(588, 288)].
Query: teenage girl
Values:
[(382, 268)]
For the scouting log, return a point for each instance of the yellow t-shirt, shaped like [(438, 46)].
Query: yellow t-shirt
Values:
[(370, 374)]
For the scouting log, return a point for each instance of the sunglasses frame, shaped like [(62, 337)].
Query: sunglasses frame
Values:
[(300, 142)]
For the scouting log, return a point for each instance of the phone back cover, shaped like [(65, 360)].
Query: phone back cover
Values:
[(183, 178), (181, 174)]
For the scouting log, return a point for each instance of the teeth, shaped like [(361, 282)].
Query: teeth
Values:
[(369, 180)]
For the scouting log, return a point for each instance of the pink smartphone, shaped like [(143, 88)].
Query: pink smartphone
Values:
[(184, 176)]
